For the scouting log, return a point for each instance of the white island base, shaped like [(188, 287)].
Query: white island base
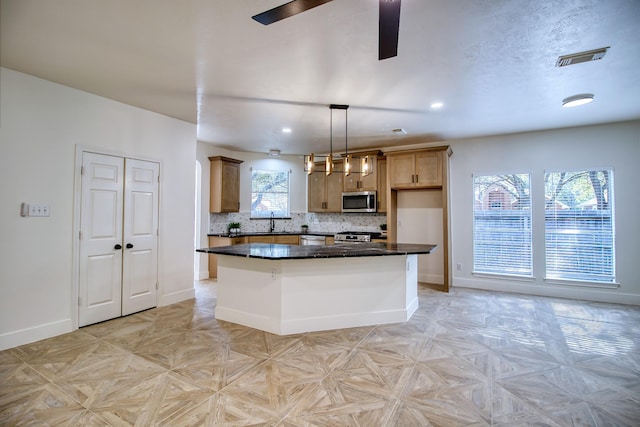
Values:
[(289, 296)]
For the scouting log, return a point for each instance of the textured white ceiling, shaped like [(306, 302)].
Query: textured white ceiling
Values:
[(491, 62)]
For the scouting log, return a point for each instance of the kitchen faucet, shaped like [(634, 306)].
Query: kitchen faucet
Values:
[(272, 223)]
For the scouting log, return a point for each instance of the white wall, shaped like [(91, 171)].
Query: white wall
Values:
[(613, 145), (41, 124)]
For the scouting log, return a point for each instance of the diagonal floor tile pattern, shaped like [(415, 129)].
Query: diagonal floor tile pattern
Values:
[(468, 358)]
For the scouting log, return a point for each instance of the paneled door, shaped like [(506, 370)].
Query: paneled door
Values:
[(118, 237), (140, 256)]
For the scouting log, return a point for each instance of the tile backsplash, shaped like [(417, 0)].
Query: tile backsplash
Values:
[(317, 222)]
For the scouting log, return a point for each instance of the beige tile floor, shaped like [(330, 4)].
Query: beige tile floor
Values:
[(465, 358)]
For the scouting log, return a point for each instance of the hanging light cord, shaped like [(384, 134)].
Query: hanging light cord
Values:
[(346, 121)]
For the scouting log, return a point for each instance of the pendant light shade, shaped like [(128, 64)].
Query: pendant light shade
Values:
[(365, 166), (309, 163), (347, 165), (328, 165)]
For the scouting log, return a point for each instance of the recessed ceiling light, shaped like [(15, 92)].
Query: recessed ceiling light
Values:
[(286, 130), (436, 105), (575, 100), (399, 131), (274, 153)]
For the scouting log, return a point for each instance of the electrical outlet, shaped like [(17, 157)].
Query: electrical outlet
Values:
[(273, 274), (459, 267)]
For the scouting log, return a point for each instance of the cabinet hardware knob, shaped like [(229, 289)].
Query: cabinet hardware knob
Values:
[(129, 246), (117, 247)]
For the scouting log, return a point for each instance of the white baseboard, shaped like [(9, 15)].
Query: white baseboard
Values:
[(312, 324), (176, 297), (436, 279), (615, 296), (36, 333), (202, 275)]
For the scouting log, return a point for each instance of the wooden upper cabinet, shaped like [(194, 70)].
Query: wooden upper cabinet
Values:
[(401, 170), (334, 192), (382, 184), (324, 192), (429, 169), (419, 169), (225, 184), (357, 182), (316, 192)]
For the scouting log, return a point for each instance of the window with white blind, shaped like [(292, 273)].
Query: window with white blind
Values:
[(502, 225), (269, 194), (579, 226)]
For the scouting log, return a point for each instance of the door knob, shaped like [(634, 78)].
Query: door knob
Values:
[(117, 247), (129, 245)]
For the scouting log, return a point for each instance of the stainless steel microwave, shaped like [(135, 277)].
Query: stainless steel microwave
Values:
[(360, 201)]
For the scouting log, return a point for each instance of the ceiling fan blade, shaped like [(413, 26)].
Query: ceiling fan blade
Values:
[(287, 10), (389, 25)]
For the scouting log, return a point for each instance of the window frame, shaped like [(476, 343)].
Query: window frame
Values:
[(527, 275), (584, 281), (285, 215)]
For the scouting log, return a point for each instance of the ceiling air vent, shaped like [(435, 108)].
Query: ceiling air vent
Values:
[(576, 58)]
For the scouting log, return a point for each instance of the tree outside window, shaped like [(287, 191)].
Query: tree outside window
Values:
[(579, 226), (502, 225), (269, 194)]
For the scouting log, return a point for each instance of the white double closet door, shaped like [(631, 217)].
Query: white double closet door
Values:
[(118, 237)]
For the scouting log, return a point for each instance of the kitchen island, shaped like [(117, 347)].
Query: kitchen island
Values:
[(288, 289)]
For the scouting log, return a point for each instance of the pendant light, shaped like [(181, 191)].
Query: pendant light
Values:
[(348, 163), (347, 158), (365, 166)]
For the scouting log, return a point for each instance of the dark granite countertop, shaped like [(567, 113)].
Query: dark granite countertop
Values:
[(278, 251), (273, 233)]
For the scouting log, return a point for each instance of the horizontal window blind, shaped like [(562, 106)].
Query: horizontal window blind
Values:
[(579, 226), (502, 225), (269, 194)]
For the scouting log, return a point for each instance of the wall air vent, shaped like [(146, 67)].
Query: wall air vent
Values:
[(576, 58)]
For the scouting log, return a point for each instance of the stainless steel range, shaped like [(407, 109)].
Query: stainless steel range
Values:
[(354, 236)]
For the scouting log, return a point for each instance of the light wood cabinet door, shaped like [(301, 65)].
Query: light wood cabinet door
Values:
[(370, 182), (261, 239), (401, 169), (428, 169), (225, 185), (415, 170), (382, 185), (351, 183), (334, 185), (325, 192), (316, 192), (357, 182), (288, 240)]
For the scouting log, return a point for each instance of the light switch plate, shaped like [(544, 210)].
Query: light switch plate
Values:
[(38, 209)]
